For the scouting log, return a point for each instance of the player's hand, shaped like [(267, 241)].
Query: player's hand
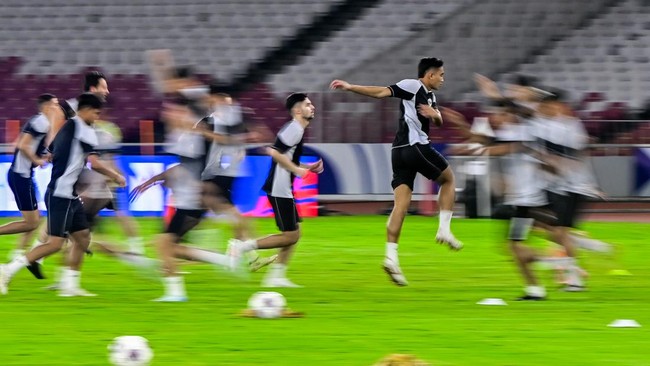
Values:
[(254, 137), (429, 112), (340, 84), (488, 87), (120, 180), (302, 172), (41, 162), (317, 167)]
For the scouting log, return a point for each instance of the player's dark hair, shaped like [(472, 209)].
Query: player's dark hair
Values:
[(89, 100), (217, 88), (428, 63), (92, 79), (184, 72), (524, 80), (44, 98), (293, 99)]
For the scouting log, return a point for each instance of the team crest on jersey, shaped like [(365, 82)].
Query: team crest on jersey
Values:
[(430, 101)]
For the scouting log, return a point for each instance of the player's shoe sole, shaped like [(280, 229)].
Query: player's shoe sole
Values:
[(574, 288), (394, 274), (167, 298), (261, 262), (279, 282), (531, 298), (78, 292), (449, 240)]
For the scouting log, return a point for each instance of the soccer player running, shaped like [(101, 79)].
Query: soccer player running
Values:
[(29, 154), (72, 147), (226, 134), (412, 154), (285, 152), (184, 180)]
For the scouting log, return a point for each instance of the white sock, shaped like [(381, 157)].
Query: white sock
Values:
[(444, 221), (16, 265), (590, 244), (174, 286), (74, 278), (65, 280), (277, 270), (209, 257), (16, 253), (538, 291), (135, 245), (249, 245), (59, 275), (391, 252)]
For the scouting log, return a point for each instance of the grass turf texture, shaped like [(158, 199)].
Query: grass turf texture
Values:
[(354, 315)]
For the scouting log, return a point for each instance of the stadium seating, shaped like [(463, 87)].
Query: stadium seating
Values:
[(378, 31), (221, 37)]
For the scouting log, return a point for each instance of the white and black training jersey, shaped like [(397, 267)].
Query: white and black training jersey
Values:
[(37, 126), (96, 184), (566, 138), (184, 179), (289, 143), (413, 128), (225, 160), (70, 148), (525, 185)]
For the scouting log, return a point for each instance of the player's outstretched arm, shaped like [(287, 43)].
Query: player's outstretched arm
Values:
[(369, 91), (488, 87)]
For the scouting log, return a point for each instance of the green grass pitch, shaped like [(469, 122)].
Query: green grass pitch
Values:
[(354, 315)]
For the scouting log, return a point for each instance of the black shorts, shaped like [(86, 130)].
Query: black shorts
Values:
[(407, 161), (184, 221), (566, 207), (24, 190), (223, 185), (64, 216), (286, 213)]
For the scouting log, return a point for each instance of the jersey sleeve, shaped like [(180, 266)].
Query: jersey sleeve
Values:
[(405, 89), (37, 126), (88, 139), (288, 137)]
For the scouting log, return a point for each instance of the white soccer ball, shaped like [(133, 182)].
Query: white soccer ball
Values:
[(130, 351), (267, 304)]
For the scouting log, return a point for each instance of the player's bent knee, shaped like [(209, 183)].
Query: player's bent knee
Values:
[(292, 236)]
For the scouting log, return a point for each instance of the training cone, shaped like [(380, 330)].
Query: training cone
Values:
[(624, 323), (492, 302)]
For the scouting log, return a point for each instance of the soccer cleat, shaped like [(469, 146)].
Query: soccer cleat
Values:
[(261, 262), (169, 298), (450, 240), (4, 280), (394, 272), (531, 298), (76, 292), (235, 253), (574, 288), (35, 269), (53, 287), (279, 282)]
